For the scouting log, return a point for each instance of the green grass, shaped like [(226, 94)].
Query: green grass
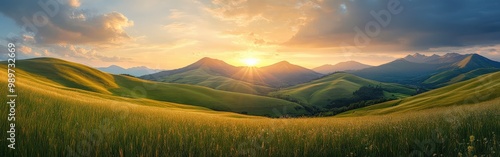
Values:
[(63, 74), (479, 89), (51, 123), (336, 86), (60, 121), (454, 76), (202, 77)]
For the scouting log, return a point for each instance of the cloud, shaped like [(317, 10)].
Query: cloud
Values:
[(262, 12), (179, 27), (74, 3), (176, 14), (273, 21), (79, 52), (420, 25), (24, 49), (54, 22)]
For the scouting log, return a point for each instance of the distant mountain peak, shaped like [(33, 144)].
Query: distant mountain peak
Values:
[(208, 59), (435, 59), (114, 66), (283, 62), (418, 55), (473, 61), (135, 71), (420, 58), (451, 54), (341, 66)]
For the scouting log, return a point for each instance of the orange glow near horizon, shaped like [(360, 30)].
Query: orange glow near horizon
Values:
[(250, 61)]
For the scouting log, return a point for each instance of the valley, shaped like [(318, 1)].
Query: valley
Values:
[(250, 78), (110, 111)]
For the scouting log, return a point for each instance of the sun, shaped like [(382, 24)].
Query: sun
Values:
[(251, 61)]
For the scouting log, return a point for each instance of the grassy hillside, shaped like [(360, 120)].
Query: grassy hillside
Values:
[(65, 74), (336, 86), (217, 74), (479, 89), (203, 77), (57, 121), (457, 75), (212, 73)]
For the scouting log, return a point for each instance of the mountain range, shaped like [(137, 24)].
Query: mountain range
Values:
[(256, 90), (319, 93), (417, 70), (431, 71), (60, 75), (342, 66), (134, 71), (281, 74)]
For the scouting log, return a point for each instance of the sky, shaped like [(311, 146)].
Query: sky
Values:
[(169, 34)]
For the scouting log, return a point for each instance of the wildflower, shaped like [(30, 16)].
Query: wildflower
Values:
[(471, 138), (470, 149)]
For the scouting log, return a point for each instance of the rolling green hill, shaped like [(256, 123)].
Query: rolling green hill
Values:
[(53, 120), (73, 76), (469, 67), (320, 92), (67, 74), (218, 74), (203, 77), (456, 75), (476, 90)]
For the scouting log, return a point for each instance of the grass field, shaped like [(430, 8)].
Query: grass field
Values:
[(56, 121), (480, 89), (63, 74)]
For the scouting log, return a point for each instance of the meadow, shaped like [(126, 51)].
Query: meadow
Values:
[(340, 85), (54, 120), (74, 76)]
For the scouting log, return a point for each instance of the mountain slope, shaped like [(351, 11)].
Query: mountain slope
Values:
[(203, 77), (213, 66), (337, 86), (284, 74), (217, 74), (470, 66), (68, 74), (475, 61), (399, 71), (419, 58), (480, 89), (342, 66), (211, 73), (430, 71), (72, 76)]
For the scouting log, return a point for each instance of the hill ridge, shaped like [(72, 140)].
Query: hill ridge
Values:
[(73, 76)]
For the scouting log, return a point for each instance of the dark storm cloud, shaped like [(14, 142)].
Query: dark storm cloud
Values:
[(61, 21), (422, 24)]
